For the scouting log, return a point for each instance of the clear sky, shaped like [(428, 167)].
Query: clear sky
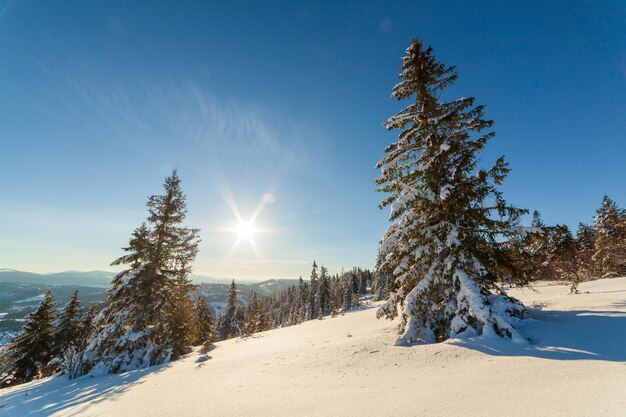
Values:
[(100, 100)]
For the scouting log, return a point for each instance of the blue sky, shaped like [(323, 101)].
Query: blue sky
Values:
[(100, 100)]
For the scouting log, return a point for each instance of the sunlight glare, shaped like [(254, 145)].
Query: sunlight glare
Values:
[(246, 230)]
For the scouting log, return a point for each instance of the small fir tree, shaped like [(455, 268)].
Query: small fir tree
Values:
[(68, 332), (204, 321), (30, 352), (230, 317), (610, 242)]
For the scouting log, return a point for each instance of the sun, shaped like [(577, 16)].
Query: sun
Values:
[(246, 230)]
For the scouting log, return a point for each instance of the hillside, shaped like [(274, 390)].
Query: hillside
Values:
[(575, 366)]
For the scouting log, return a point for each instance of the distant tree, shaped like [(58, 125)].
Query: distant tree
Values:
[(610, 242), (147, 304), (263, 318), (304, 312), (314, 296), (230, 317), (585, 243), (443, 250), (534, 249), (68, 331), (88, 325), (562, 257), (204, 321), (346, 287), (323, 293), (251, 315), (29, 353), (256, 318), (68, 336)]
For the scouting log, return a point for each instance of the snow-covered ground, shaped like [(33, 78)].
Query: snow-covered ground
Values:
[(575, 366)]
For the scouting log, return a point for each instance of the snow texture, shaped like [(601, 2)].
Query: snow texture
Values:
[(573, 367)]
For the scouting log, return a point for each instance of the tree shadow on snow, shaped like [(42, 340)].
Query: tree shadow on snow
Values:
[(563, 335), (59, 394)]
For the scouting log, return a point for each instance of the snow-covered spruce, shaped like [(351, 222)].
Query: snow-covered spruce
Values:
[(231, 318), (30, 352), (147, 318), (443, 249)]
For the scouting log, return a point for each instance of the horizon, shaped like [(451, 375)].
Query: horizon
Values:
[(193, 276), (272, 115)]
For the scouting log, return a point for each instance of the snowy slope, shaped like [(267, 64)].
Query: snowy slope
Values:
[(576, 366)]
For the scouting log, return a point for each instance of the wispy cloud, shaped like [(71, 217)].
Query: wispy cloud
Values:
[(180, 110)]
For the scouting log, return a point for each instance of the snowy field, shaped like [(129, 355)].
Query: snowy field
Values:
[(575, 366)]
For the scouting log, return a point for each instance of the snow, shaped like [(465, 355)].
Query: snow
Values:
[(445, 191), (573, 366)]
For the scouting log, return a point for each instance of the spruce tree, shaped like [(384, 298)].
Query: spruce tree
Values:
[(610, 243), (251, 315), (534, 249), (68, 337), (263, 318), (148, 302), (585, 243), (204, 321), (379, 283), (323, 293), (230, 317), (443, 250), (30, 352), (314, 293), (562, 257), (68, 332), (305, 307), (88, 325)]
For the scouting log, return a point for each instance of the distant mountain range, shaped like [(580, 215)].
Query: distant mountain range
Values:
[(103, 279), (21, 292), (82, 278)]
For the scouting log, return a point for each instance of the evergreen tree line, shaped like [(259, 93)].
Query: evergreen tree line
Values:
[(594, 251), (323, 295)]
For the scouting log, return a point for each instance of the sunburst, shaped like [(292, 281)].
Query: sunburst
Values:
[(246, 230)]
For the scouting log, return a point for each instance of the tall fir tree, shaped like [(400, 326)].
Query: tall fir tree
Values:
[(443, 249), (30, 352), (146, 304)]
